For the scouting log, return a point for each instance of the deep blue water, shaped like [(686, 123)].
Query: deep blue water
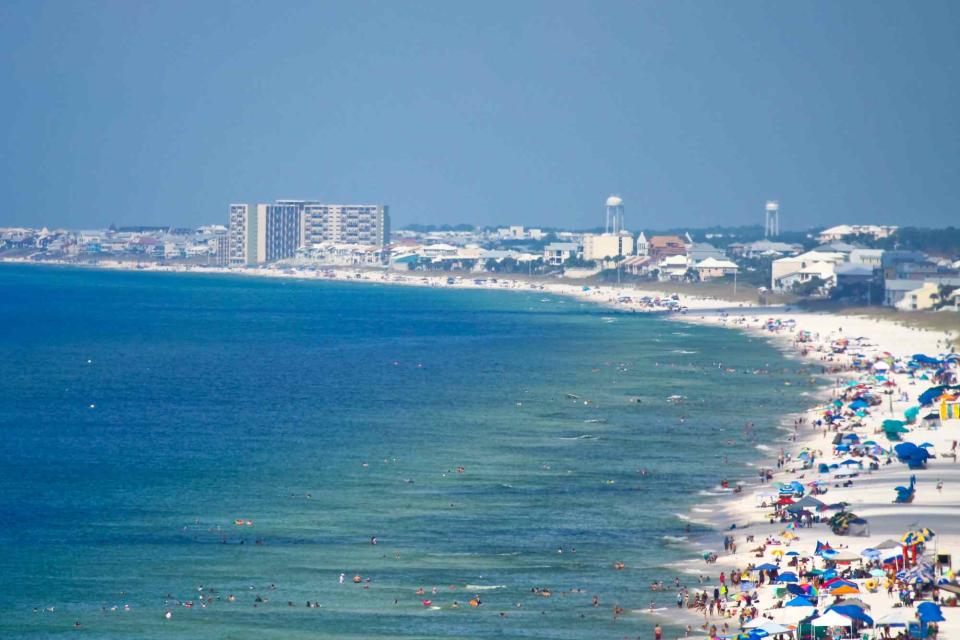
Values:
[(142, 414)]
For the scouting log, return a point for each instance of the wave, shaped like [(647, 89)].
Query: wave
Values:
[(484, 587), (714, 493), (684, 351), (582, 436), (674, 539), (702, 510), (763, 447)]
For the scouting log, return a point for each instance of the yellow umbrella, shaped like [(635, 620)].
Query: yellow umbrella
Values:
[(778, 552)]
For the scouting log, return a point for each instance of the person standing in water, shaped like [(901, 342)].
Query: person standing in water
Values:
[(657, 633)]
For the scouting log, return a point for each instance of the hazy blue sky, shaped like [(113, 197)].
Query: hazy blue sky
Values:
[(483, 112)]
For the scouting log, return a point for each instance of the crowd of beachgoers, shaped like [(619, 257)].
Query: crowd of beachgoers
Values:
[(852, 529)]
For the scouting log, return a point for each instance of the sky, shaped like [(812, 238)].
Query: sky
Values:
[(488, 113)]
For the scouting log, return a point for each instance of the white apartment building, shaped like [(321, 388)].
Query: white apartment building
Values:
[(601, 246), (367, 224)]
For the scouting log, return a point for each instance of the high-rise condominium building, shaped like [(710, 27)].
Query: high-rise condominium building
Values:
[(345, 223), (264, 232), (261, 233)]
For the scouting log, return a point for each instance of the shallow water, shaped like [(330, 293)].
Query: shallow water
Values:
[(144, 413)]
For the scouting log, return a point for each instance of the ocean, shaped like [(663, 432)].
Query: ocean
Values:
[(173, 438)]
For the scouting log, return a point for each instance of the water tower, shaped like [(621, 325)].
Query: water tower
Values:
[(771, 223), (614, 209)]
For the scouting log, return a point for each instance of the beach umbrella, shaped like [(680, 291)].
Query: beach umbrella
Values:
[(766, 566), (929, 612), (799, 601), (852, 612), (853, 602), (787, 576), (792, 553), (844, 589), (877, 573), (895, 426)]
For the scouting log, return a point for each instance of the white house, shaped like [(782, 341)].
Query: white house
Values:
[(786, 272), (556, 253), (715, 268)]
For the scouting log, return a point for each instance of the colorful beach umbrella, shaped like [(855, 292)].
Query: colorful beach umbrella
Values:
[(844, 590)]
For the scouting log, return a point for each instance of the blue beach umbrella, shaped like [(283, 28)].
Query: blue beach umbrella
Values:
[(799, 601), (929, 612), (853, 612), (767, 566), (787, 576)]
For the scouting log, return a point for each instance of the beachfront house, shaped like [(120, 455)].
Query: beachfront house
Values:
[(557, 253), (786, 273), (660, 247), (712, 268)]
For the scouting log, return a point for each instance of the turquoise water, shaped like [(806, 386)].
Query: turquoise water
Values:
[(142, 414)]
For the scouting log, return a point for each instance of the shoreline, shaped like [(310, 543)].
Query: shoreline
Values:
[(718, 512)]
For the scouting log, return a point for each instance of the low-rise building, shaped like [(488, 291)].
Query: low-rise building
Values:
[(663, 246), (712, 268), (787, 272), (602, 246), (557, 253)]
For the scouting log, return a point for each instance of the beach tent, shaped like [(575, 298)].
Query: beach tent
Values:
[(799, 601), (889, 544), (773, 628), (896, 618), (832, 619), (853, 612)]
